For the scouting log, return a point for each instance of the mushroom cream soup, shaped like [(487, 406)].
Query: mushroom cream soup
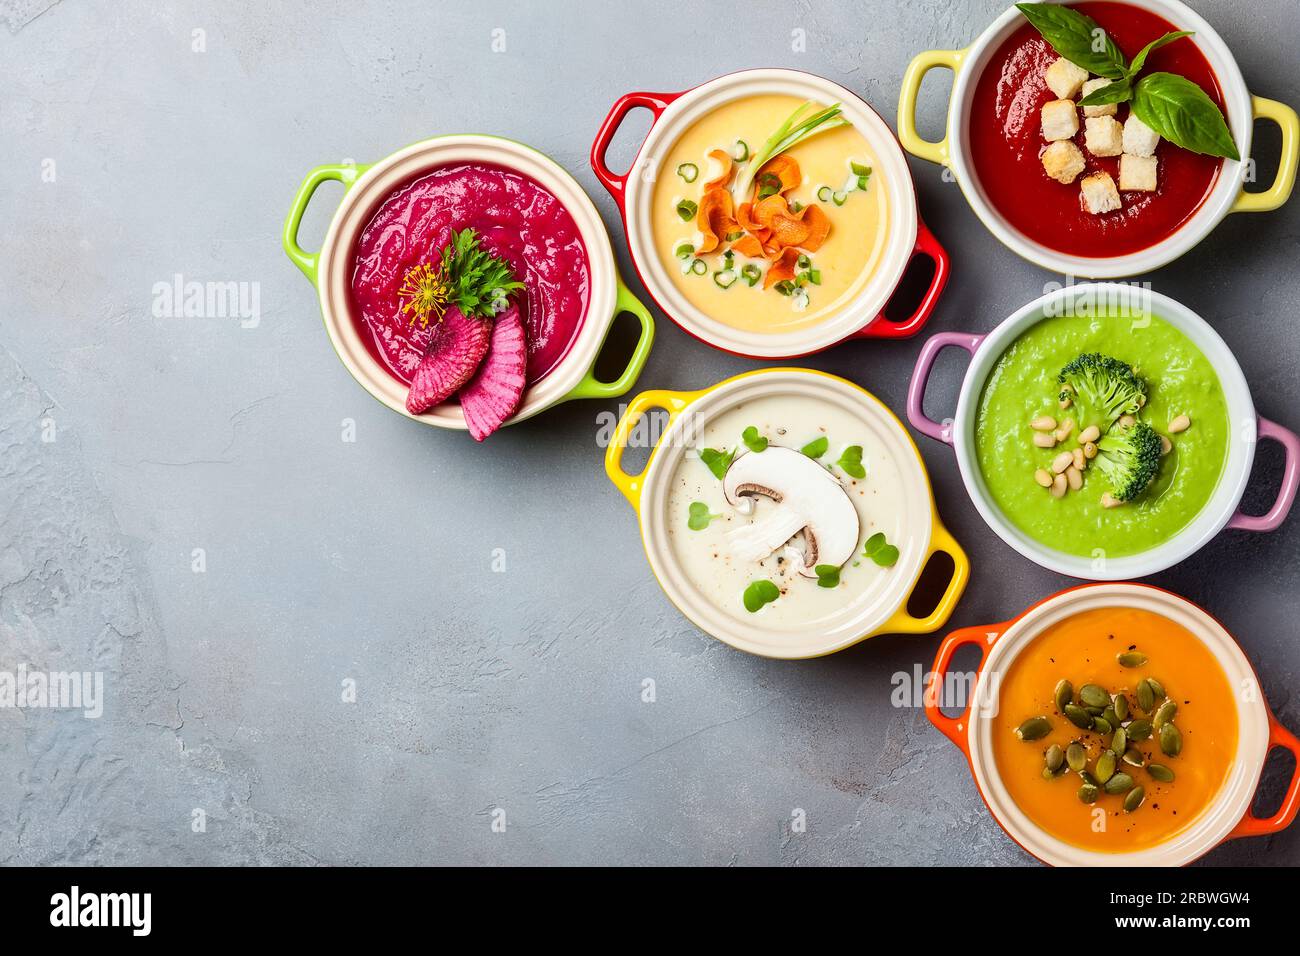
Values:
[(778, 537), (784, 251)]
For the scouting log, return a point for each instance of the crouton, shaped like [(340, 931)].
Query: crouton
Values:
[(1060, 120), (1098, 194), (1103, 136), (1091, 86), (1063, 161), (1137, 173), (1065, 79), (1139, 138)]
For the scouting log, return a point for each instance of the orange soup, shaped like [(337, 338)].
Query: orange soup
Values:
[(1185, 688)]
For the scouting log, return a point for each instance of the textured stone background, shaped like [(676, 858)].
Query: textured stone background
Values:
[(370, 560)]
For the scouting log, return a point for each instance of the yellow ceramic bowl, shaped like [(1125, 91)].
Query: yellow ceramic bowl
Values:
[(881, 608)]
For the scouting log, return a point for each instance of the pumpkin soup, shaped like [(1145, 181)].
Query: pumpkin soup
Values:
[(1108, 680), (766, 216)]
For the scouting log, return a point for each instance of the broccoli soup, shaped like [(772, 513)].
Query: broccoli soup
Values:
[(766, 213), (1115, 730), (785, 512), (1103, 434)]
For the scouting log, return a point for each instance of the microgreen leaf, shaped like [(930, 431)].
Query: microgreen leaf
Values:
[(1184, 114), (752, 439), (1076, 37), (817, 447), (828, 575), (879, 550), (874, 544), (717, 461), (851, 462), (700, 516), (759, 593)]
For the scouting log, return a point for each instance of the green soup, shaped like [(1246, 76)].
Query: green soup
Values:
[(1023, 386)]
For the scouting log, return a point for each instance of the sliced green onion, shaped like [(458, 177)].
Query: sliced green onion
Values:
[(733, 236), (815, 276), (751, 274), (769, 184), (862, 183), (684, 251), (801, 279), (800, 300), (687, 210), (688, 171), (796, 206), (729, 257), (724, 279), (838, 198), (785, 287), (798, 126), (740, 152), (824, 194), (803, 262), (859, 169), (698, 267)]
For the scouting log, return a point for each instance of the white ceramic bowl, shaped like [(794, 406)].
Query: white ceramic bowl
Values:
[(1246, 428), (367, 187), (1228, 815), (1228, 194), (674, 113), (883, 610)]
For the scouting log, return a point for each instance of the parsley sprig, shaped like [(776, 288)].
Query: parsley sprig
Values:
[(468, 277)]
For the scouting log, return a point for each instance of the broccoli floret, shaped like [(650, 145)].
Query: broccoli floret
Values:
[(1129, 458), (1105, 388)]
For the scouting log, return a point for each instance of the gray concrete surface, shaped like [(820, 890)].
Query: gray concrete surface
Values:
[(130, 156)]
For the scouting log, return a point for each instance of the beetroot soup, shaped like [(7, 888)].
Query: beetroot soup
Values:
[(1007, 144), (515, 218)]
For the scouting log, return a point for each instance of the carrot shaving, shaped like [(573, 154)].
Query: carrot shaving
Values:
[(723, 177), (714, 218), (749, 245), (785, 169), (782, 268)]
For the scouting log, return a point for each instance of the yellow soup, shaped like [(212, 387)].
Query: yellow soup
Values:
[(1084, 650), (843, 263)]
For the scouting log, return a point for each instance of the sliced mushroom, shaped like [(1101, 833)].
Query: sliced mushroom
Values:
[(807, 498)]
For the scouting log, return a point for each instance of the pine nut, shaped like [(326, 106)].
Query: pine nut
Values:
[(1091, 433), (1043, 423), (1127, 421), (1180, 424), (1166, 446), (1044, 440), (1043, 478), (1062, 461), (1090, 451), (1079, 461), (1064, 403), (1075, 478), (1110, 501), (1058, 486)]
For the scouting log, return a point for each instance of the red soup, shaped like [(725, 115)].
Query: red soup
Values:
[(518, 220), (1007, 143)]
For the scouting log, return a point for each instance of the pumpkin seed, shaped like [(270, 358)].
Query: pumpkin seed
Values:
[(1171, 740), (1101, 725), (1054, 757), (1063, 694), (1165, 714), (1146, 695), (1131, 659), (1138, 730), (1088, 778), (1120, 783), (1121, 707), (1095, 711), (1076, 757), (1048, 774), (1157, 688), (1078, 716), (1119, 743), (1035, 728), (1105, 768), (1089, 793), (1134, 799), (1112, 718), (1160, 772), (1133, 757), (1091, 695)]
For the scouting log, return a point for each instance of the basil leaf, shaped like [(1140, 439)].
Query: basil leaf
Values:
[(1116, 91), (1140, 60), (1077, 38), (1182, 113)]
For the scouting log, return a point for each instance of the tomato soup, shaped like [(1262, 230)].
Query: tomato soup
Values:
[(1085, 650), (516, 219), (1006, 144)]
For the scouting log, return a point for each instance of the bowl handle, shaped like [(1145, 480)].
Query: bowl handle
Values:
[(592, 387), (955, 728), (656, 103), (671, 402), (926, 245), (922, 64), (1270, 521), (903, 622), (921, 375), (1251, 825), (306, 261), (1285, 117)]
